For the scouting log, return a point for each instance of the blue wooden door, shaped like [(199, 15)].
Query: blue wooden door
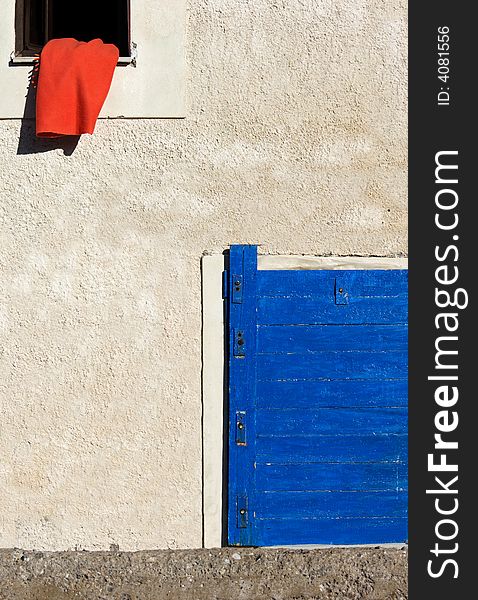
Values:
[(317, 373)]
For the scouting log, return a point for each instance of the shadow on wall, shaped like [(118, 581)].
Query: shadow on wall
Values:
[(28, 143)]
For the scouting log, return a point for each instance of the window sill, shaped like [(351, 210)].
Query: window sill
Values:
[(123, 61)]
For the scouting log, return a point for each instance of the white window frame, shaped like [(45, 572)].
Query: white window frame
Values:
[(149, 84)]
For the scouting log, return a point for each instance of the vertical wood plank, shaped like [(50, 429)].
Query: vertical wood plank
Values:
[(241, 317)]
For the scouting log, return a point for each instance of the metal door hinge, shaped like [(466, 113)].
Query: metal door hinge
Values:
[(341, 293), (239, 343), (242, 512), (237, 284), (241, 428)]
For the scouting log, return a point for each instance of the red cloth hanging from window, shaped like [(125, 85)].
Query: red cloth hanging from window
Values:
[(74, 80)]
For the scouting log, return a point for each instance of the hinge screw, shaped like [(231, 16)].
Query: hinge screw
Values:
[(240, 426), (242, 511), (341, 291)]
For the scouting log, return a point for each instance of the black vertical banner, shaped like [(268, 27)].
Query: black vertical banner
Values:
[(443, 325)]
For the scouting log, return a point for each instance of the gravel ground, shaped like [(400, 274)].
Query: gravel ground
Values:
[(219, 574)]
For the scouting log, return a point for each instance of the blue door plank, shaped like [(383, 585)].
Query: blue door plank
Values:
[(330, 421), (314, 311), (331, 365), (322, 283), (283, 339), (241, 317), (273, 532), (333, 448), (338, 393), (299, 505), (315, 477)]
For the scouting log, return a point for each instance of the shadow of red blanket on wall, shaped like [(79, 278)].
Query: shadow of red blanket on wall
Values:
[(29, 143)]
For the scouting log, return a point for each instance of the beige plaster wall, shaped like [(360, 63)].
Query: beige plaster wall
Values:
[(295, 138)]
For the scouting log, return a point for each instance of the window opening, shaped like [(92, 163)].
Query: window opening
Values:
[(38, 21)]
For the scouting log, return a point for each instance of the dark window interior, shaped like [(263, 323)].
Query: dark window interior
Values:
[(38, 21)]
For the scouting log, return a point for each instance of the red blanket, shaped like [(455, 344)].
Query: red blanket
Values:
[(73, 83)]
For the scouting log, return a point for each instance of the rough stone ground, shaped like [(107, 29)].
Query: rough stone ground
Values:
[(219, 574)]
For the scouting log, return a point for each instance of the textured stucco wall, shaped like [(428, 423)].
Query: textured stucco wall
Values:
[(295, 139)]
